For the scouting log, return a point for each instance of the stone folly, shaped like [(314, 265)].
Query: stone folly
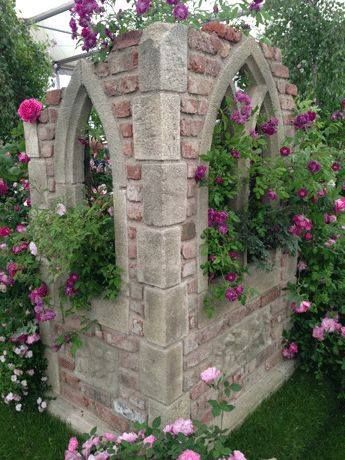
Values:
[(157, 96)]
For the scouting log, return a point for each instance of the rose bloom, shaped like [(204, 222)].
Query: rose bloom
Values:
[(110, 437), (285, 151), (329, 324), (149, 440), (30, 110), (200, 173), (23, 158), (336, 166), (3, 187), (302, 192), (210, 375), (231, 277), (73, 444), (237, 455), (271, 195), (319, 333), (184, 426), (303, 307), (128, 437), (180, 11), (189, 455), (339, 205), (5, 231)]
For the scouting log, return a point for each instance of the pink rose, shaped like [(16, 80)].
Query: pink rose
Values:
[(189, 455), (30, 110), (149, 440), (110, 437), (128, 437), (210, 375), (303, 307), (184, 426), (339, 205), (237, 455), (23, 158), (329, 324), (319, 333), (72, 455), (3, 187), (73, 444), (21, 228), (100, 456), (342, 331), (5, 231), (35, 338)]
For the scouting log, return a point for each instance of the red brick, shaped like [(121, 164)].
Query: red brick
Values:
[(190, 149), (201, 41), (116, 422), (122, 109), (102, 69), (223, 31), (286, 102), (66, 363), (47, 149), (53, 97), (213, 67), (51, 184), (188, 249), (203, 107), (127, 39), (127, 148), (279, 70), (199, 389), (123, 341), (95, 394), (291, 89), (134, 172), (191, 167), (111, 88), (123, 61), (74, 396), (199, 85), (270, 296), (126, 130), (49, 167), (189, 105), (277, 54), (46, 132), (129, 84), (132, 233), (44, 117), (132, 249), (197, 356), (190, 127), (135, 211), (281, 85), (53, 115), (267, 50), (197, 63), (70, 379)]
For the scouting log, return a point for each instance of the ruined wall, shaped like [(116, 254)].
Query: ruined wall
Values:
[(158, 95)]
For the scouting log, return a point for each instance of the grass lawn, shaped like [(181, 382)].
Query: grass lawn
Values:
[(302, 421)]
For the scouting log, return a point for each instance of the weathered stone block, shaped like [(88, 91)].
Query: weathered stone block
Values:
[(159, 257), (168, 414), (97, 364), (31, 140), (165, 191), (163, 58), (111, 313), (38, 181), (161, 372), (156, 119), (166, 315)]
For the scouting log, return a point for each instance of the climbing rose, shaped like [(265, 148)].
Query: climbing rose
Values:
[(237, 455), (256, 5), (303, 307), (189, 455), (290, 351), (30, 110), (242, 98), (142, 6), (231, 277), (231, 294), (73, 444), (302, 192), (200, 173), (3, 187), (319, 333), (5, 231), (149, 440), (128, 437), (329, 324), (172, 2), (304, 120), (271, 195), (336, 166), (23, 158), (235, 154), (33, 248), (210, 375), (314, 166), (329, 218), (339, 205), (285, 151), (184, 426), (180, 11), (270, 127)]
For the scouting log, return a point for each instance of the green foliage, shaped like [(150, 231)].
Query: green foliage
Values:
[(311, 36), (24, 67)]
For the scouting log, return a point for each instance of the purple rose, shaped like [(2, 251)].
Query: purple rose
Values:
[(231, 294), (302, 192), (180, 11), (270, 127), (336, 166), (285, 151), (235, 154), (142, 6), (200, 173), (314, 166)]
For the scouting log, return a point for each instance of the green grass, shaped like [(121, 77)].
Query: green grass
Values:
[(302, 421)]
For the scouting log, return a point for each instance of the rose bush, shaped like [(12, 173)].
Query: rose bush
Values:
[(183, 439)]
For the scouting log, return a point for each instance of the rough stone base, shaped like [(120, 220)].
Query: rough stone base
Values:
[(83, 421)]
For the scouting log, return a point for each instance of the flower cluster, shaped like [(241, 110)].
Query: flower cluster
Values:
[(70, 289), (243, 113), (290, 351), (304, 120), (218, 220), (301, 226), (328, 325), (303, 306), (270, 127), (82, 14), (178, 437)]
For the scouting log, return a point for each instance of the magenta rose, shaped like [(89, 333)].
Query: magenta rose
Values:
[(189, 455), (339, 205), (3, 187), (23, 158), (180, 12), (30, 110), (285, 151)]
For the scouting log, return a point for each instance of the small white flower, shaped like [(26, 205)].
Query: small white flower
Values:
[(30, 372), (33, 248), (18, 407), (2, 339), (29, 354), (17, 351), (39, 400), (24, 383), (2, 358), (13, 378), (44, 379), (18, 372), (44, 405), (60, 209)]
